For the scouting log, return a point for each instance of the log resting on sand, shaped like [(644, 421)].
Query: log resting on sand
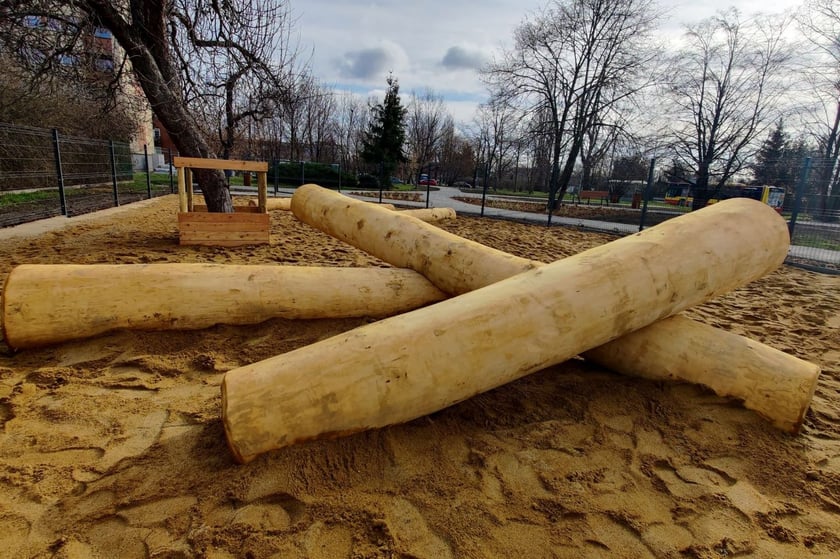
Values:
[(45, 304), (419, 362), (677, 349)]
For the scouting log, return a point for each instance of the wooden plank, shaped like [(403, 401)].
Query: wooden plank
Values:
[(224, 235), (223, 227), (226, 244), (214, 217), (220, 164), (237, 209)]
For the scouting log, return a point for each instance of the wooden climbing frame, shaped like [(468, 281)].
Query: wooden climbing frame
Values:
[(246, 226)]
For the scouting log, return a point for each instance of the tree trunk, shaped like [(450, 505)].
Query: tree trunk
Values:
[(459, 265), (144, 41), (417, 363), (44, 304)]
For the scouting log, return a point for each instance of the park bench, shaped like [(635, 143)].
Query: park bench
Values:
[(588, 195)]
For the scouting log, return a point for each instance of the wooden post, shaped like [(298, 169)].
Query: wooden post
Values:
[(410, 365), (189, 179), (44, 304), (183, 206), (393, 239), (262, 190)]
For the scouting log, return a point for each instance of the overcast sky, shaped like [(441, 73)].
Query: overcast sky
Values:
[(437, 44)]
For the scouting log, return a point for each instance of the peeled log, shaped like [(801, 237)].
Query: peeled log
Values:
[(413, 364), (467, 265), (45, 304), (454, 264), (431, 214), (776, 385)]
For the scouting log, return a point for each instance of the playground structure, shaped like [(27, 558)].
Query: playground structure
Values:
[(528, 316), (247, 225)]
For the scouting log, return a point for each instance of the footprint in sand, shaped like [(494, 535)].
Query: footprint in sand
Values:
[(411, 533)]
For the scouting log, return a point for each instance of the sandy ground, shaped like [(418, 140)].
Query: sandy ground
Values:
[(113, 446)]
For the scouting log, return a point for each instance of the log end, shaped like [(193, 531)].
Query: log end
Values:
[(229, 438)]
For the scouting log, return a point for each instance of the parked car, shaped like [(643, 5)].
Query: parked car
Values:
[(462, 184), (430, 182), (396, 180)]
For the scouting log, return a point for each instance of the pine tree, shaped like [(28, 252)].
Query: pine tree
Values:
[(385, 136), (771, 161)]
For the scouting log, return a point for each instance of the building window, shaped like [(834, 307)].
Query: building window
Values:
[(104, 64)]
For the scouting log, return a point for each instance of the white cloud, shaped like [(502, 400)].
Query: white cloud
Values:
[(437, 44)]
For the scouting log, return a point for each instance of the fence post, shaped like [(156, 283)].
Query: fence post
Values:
[(646, 193), (484, 194), (148, 170), (114, 172), (800, 193), (275, 166), (61, 194), (171, 178)]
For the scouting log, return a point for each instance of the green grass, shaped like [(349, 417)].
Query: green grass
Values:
[(24, 197), (822, 243)]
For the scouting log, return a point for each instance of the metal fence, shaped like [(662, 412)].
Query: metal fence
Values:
[(45, 174)]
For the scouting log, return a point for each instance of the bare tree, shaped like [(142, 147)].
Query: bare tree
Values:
[(424, 129), (820, 20), (164, 42), (351, 120), (572, 62), (727, 87), (457, 160)]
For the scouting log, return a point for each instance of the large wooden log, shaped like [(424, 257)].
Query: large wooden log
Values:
[(410, 365), (778, 386), (45, 304), (454, 264), (430, 215), (458, 265)]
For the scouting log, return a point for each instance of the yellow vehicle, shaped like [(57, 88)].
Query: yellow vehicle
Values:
[(773, 196)]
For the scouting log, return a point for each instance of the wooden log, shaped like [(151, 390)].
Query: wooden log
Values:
[(777, 386), (44, 304), (454, 264), (402, 242), (430, 215), (410, 365)]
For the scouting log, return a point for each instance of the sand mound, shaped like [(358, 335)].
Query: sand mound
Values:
[(113, 447)]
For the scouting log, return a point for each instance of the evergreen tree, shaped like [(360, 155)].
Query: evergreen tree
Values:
[(385, 136), (771, 166)]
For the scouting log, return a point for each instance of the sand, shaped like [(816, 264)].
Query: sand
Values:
[(113, 446)]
